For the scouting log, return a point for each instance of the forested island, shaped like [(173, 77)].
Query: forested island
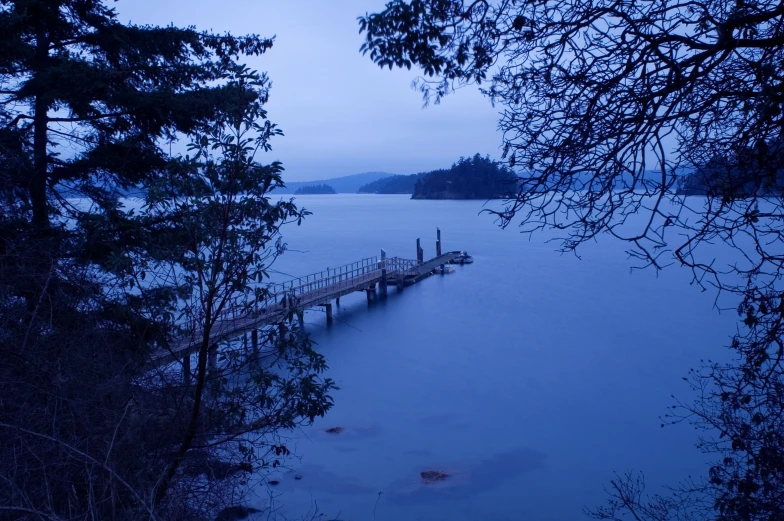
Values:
[(474, 177), (470, 178), (396, 184), (315, 189)]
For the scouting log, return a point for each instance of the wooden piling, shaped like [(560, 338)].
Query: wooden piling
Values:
[(420, 253), (438, 242), (370, 292), (301, 318), (328, 309)]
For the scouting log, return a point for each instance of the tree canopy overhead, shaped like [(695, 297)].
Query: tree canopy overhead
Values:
[(606, 106), (89, 96), (595, 92)]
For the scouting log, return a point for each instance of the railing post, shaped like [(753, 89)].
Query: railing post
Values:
[(383, 284)]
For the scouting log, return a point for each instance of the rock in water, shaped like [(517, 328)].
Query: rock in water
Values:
[(433, 476), (235, 513)]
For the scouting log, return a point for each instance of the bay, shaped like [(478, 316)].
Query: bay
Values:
[(529, 377)]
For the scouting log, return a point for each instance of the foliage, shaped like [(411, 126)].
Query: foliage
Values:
[(315, 189), (92, 292), (595, 93), (740, 174), (470, 178), (396, 184)]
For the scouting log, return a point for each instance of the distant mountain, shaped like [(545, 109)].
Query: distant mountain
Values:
[(343, 185), (315, 189), (396, 184), (470, 178)]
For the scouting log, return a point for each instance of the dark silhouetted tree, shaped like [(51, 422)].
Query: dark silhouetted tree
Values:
[(95, 287)]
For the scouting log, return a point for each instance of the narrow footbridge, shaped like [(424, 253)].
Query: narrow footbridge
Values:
[(296, 295)]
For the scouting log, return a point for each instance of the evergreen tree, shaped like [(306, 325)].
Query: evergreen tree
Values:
[(92, 292)]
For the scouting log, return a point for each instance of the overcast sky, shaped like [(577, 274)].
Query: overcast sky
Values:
[(340, 113)]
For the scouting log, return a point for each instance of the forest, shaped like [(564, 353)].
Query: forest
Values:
[(474, 177)]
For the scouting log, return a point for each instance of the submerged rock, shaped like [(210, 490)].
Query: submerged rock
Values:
[(235, 513), (433, 476)]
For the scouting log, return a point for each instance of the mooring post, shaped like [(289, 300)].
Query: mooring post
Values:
[(328, 309), (382, 287), (438, 242), (212, 357), (186, 369), (420, 253)]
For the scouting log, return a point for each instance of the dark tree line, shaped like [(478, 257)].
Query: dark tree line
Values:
[(315, 189), (474, 177), (396, 184), (595, 95), (94, 286)]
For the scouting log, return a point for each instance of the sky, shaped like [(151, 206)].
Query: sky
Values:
[(340, 113)]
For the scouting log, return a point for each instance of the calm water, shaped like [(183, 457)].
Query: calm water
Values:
[(529, 376)]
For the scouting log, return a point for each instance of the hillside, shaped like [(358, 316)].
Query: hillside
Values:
[(469, 178), (396, 184), (349, 184)]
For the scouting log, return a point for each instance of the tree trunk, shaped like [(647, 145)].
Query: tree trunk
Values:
[(37, 188)]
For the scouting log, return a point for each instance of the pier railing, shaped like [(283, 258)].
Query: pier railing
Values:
[(335, 279), (307, 290)]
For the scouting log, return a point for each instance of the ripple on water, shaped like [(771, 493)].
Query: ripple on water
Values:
[(318, 478), (465, 479)]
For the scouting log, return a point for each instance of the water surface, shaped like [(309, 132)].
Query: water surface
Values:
[(529, 377)]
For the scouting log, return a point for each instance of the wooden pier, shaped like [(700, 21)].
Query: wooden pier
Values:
[(302, 293)]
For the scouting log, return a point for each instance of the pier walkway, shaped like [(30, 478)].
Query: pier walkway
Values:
[(299, 294)]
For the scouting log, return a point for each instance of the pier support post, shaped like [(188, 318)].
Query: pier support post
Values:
[(337, 302), (328, 309), (212, 357), (301, 318), (187, 376), (370, 292), (438, 242), (382, 287), (420, 253)]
